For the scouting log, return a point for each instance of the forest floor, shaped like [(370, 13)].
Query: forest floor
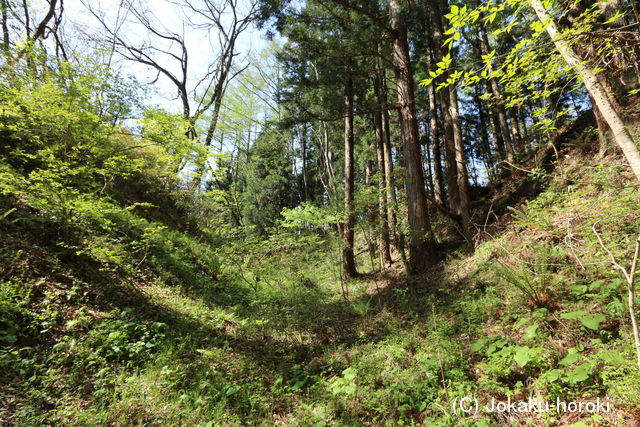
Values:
[(536, 311)]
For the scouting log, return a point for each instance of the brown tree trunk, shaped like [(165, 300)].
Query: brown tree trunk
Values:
[(371, 215), (484, 134), (4, 9), (438, 175), (348, 258), (453, 196), (462, 177), (620, 132), (497, 95), (493, 124), (453, 193), (421, 243), (385, 251), (515, 131)]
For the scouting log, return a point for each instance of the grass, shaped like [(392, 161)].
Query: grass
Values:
[(276, 342)]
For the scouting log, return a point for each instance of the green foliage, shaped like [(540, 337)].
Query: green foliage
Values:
[(126, 339), (535, 276), (267, 173)]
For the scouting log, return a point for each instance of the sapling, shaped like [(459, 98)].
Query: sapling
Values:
[(629, 276)]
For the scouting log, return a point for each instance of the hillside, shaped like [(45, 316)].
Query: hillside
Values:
[(176, 336), (319, 213)]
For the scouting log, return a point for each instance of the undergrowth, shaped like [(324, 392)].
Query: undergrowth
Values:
[(120, 305)]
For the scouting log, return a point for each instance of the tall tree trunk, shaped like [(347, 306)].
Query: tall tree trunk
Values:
[(515, 130), (397, 238), (484, 135), (463, 208), (453, 193), (385, 252), (493, 124), (218, 93), (348, 258), (453, 196), (525, 132), (4, 9), (421, 243), (602, 126), (303, 149), (427, 161), (595, 89), (497, 95), (438, 176), (371, 214)]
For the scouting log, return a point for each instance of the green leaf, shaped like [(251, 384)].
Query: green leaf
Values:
[(350, 374), (496, 345), (479, 345), (574, 315), (578, 289), (553, 375), (611, 357), (531, 332), (593, 321), (595, 285), (522, 356), (522, 322), (580, 373), (570, 358)]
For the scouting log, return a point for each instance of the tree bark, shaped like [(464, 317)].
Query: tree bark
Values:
[(371, 214), (620, 132), (484, 134), (462, 177), (515, 131), (438, 175), (497, 94), (348, 258), (453, 193), (4, 9), (421, 243), (385, 251)]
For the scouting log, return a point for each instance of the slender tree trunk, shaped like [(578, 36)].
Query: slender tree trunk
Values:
[(218, 93), (421, 243), (620, 132), (499, 103), (463, 208), (438, 176), (525, 132), (303, 149), (515, 130), (397, 237), (602, 127), (371, 214), (484, 135), (493, 124), (348, 258), (453, 193), (427, 161), (27, 19), (385, 252), (4, 9)]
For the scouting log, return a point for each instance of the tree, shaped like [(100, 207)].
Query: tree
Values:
[(620, 132), (348, 258), (421, 244), (267, 175), (167, 52)]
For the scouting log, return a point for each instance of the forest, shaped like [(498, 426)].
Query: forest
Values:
[(319, 212)]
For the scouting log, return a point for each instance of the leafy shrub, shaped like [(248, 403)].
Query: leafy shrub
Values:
[(126, 339)]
